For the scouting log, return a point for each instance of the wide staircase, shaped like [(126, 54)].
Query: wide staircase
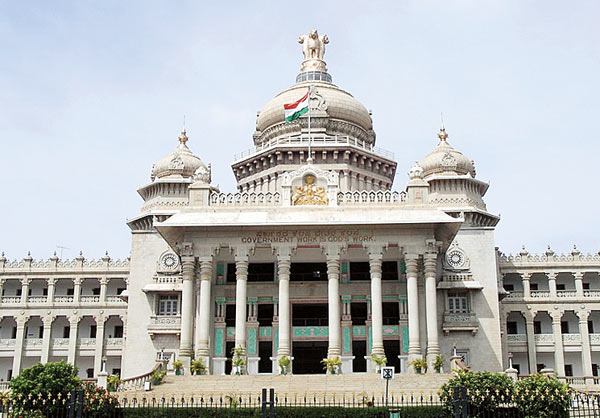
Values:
[(293, 386)]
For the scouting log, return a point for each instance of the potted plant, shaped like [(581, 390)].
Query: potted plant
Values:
[(237, 360), (438, 363), (113, 382), (178, 366), (419, 364), (157, 377), (284, 363), (380, 362), (332, 365), (197, 367)]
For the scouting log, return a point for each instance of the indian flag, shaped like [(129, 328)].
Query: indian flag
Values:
[(294, 110)]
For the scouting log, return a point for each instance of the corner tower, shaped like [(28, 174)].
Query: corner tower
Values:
[(340, 134)]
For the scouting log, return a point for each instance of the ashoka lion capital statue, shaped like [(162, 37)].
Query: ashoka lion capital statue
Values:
[(313, 48)]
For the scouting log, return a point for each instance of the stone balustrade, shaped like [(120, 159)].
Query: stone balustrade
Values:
[(8, 342), (86, 342), (571, 338), (544, 338), (11, 300), (33, 342), (90, 299), (60, 342), (516, 338)]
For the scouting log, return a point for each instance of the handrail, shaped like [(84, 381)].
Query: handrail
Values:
[(137, 382)]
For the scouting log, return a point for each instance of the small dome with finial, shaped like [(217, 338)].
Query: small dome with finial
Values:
[(446, 160), (180, 163)]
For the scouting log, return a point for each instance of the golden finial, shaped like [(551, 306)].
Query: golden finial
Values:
[(443, 135)]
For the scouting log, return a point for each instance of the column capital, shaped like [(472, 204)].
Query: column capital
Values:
[(556, 315), (206, 267), (241, 251), (283, 251), (104, 280), (77, 281), (25, 281), (186, 249), (583, 315), (21, 320), (525, 276), (578, 275), (241, 267), (375, 250), (51, 281), (100, 319), (412, 263), (74, 319), (432, 246), (333, 267), (430, 263), (47, 320), (333, 251), (551, 275)]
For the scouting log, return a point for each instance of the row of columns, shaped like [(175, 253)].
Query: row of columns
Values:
[(77, 282), (334, 313), (46, 340), (559, 356), (526, 279)]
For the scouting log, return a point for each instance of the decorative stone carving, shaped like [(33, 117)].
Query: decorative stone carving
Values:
[(415, 172), (168, 262), (203, 174), (456, 259), (309, 193), (313, 48)]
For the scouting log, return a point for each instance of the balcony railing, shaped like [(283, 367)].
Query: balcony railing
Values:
[(114, 298), (113, 342), (64, 299), (11, 299), (595, 338), (37, 299), (566, 293), (544, 338), (7, 342), (571, 338), (515, 295), (87, 342), (32, 342), (540, 294), (60, 342), (516, 338), (90, 299)]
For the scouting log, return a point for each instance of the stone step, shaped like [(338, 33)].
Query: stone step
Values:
[(367, 384)]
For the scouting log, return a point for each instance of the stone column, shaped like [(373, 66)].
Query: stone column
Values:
[(525, 281), (433, 346), (2, 282), (51, 286), (412, 290), (103, 283), (559, 355), (579, 286), (586, 352), (333, 301), (24, 290), (46, 338), (531, 342), (203, 350), (18, 354), (188, 263), (375, 261), (552, 287), (241, 277), (73, 336), (77, 289), (99, 343), (283, 274)]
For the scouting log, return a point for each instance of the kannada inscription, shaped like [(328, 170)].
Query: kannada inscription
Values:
[(308, 236)]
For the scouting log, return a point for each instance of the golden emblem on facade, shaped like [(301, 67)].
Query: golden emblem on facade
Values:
[(309, 193)]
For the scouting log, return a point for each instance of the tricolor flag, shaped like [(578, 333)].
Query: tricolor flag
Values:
[(294, 110)]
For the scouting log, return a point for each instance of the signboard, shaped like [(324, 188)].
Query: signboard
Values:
[(387, 373)]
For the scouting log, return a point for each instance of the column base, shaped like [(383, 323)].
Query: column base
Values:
[(219, 365), (347, 364), (430, 359), (252, 365), (277, 368)]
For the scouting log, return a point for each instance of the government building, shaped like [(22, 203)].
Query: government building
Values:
[(313, 256)]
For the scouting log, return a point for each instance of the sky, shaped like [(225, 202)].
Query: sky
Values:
[(92, 93)]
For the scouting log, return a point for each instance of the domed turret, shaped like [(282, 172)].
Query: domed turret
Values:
[(446, 160), (451, 177), (181, 163)]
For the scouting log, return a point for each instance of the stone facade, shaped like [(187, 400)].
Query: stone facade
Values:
[(314, 256)]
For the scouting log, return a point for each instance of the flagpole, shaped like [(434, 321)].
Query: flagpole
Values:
[(309, 160)]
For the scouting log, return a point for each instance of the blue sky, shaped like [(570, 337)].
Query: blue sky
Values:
[(93, 93)]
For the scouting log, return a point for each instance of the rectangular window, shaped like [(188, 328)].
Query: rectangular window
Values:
[(457, 303), (70, 291), (517, 367), (118, 331), (93, 331), (509, 287), (168, 305), (564, 327), (230, 275), (540, 367), (45, 292), (560, 286), (360, 271), (586, 286), (568, 370), (120, 290), (261, 272), (19, 292), (389, 270), (230, 315), (511, 327), (595, 370), (591, 327), (537, 327), (533, 286), (90, 373), (358, 312), (96, 291), (391, 313), (265, 314), (66, 331)]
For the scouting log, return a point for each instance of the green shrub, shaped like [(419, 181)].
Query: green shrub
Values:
[(540, 396), (485, 391), (41, 382), (99, 402)]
